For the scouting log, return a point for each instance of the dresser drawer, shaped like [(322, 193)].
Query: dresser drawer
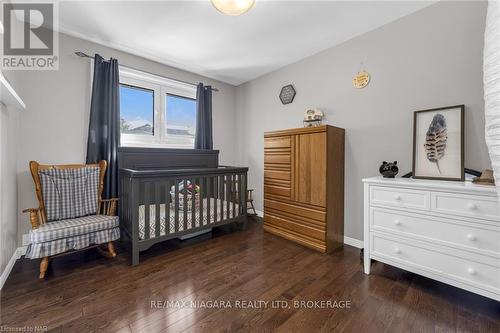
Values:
[(394, 197), (423, 259), (466, 205), (277, 142), (461, 234)]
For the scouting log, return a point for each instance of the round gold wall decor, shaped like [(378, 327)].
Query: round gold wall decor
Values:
[(361, 79)]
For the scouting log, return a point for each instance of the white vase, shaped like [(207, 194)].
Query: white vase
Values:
[(491, 72)]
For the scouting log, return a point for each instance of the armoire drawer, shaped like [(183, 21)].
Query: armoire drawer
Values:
[(277, 142), (394, 197), (454, 267), (466, 205), (295, 225), (277, 175), (292, 209), (462, 234), (281, 191), (281, 160)]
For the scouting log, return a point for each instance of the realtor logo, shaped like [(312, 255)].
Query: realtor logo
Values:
[(29, 39)]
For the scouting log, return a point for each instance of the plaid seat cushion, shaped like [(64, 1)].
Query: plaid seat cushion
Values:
[(72, 227), (69, 193), (50, 248)]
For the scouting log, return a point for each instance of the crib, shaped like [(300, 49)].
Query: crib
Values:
[(163, 196)]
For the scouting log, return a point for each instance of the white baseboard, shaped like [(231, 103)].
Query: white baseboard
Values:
[(18, 253), (353, 242)]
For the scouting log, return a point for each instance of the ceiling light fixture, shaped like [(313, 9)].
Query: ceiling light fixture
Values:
[(233, 7)]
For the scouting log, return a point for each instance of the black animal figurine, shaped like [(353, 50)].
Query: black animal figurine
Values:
[(389, 170)]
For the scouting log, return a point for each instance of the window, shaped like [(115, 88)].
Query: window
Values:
[(180, 117), (155, 111), (136, 110)]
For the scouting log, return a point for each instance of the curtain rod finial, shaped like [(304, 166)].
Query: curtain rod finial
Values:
[(83, 55)]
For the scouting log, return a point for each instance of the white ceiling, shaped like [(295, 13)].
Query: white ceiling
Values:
[(193, 36)]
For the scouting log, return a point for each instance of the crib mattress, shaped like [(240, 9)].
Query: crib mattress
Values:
[(227, 213)]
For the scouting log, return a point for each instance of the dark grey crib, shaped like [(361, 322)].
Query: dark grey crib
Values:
[(150, 212)]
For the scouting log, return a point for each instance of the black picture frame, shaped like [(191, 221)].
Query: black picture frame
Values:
[(461, 109)]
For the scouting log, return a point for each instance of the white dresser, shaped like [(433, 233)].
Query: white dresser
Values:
[(447, 231)]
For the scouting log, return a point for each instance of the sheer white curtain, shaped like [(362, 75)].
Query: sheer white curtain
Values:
[(491, 69)]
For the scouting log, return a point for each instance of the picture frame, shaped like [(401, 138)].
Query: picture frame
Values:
[(438, 143)]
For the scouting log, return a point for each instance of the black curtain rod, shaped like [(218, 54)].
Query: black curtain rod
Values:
[(84, 55)]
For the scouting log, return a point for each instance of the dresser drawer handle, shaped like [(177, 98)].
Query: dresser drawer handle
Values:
[(471, 237), (472, 206), (397, 197), (397, 222), (471, 271), (397, 250)]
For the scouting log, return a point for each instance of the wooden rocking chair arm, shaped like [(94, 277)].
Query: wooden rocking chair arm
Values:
[(108, 200), (29, 210), (34, 216), (108, 206)]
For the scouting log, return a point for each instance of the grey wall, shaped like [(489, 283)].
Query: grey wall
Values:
[(8, 188), (429, 59), (53, 128)]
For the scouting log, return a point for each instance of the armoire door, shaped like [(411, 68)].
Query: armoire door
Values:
[(310, 169)]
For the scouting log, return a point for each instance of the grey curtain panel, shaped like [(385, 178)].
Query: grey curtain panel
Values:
[(104, 126), (203, 136)]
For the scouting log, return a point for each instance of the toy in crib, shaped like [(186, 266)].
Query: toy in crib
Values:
[(186, 189)]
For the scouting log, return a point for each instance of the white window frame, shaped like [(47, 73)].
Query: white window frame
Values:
[(160, 86)]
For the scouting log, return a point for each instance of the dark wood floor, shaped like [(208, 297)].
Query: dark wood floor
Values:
[(84, 292)]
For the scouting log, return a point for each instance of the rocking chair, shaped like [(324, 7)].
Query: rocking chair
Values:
[(71, 214)]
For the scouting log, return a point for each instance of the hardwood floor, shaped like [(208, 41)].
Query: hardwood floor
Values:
[(85, 293)]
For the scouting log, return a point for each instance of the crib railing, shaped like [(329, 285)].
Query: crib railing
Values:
[(196, 199)]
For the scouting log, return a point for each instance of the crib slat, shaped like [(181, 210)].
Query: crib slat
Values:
[(185, 204), (209, 199), (202, 200), (233, 195), (242, 195), (221, 195), (167, 207), (229, 186), (176, 206), (244, 189), (157, 209), (146, 209), (193, 204)]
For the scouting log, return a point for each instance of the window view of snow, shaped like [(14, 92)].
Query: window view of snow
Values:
[(136, 110)]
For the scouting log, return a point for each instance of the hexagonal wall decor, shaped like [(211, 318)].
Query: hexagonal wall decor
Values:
[(287, 94)]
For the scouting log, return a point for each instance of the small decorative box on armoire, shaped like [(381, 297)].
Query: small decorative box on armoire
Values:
[(304, 186)]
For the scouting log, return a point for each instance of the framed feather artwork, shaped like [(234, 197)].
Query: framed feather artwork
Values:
[(438, 143)]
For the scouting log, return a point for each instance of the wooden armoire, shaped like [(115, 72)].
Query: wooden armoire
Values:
[(304, 186)]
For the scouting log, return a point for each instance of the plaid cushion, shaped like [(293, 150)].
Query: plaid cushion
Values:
[(73, 227), (50, 248), (69, 193)]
